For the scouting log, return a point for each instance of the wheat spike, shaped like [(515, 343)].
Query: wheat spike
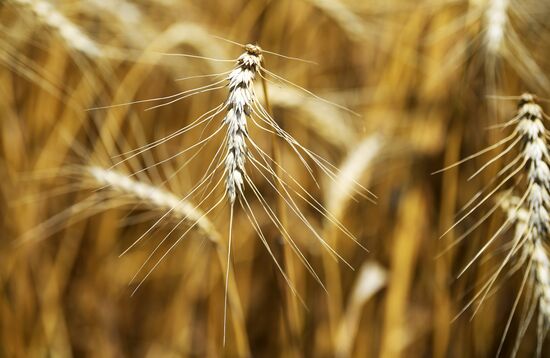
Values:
[(527, 212), (239, 106), (534, 254), (239, 151), (496, 18)]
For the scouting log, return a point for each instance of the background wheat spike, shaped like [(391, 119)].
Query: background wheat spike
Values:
[(73, 36), (497, 20), (526, 169), (535, 234), (155, 197), (533, 255)]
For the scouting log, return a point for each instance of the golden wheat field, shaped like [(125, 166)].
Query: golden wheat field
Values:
[(274, 178)]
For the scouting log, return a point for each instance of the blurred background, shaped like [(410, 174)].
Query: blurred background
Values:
[(422, 75)]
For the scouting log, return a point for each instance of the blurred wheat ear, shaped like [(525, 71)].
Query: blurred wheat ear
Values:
[(71, 34), (179, 210), (526, 200), (532, 253)]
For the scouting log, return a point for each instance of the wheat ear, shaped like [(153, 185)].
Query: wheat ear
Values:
[(496, 19), (532, 234), (239, 151), (239, 106), (534, 254), (154, 197), (503, 39), (350, 22), (530, 170)]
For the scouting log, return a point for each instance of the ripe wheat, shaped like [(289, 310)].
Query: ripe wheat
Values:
[(527, 202), (239, 154)]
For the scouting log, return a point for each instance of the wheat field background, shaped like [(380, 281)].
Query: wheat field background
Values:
[(422, 77)]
